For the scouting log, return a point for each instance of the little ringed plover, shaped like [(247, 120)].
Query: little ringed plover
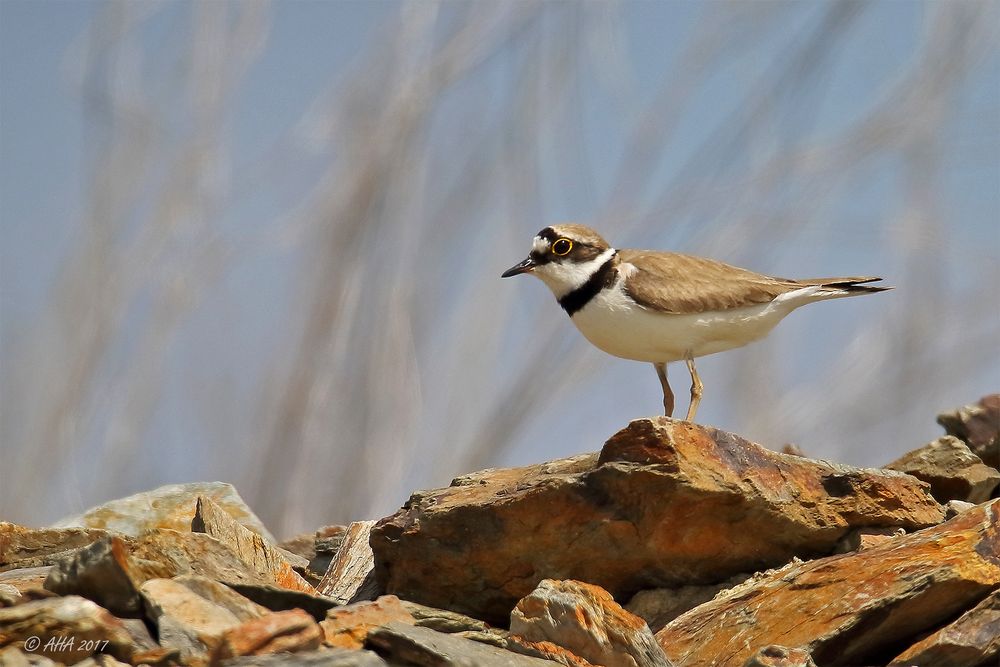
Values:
[(660, 307)]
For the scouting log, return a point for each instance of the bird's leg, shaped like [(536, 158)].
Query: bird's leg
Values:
[(668, 395), (696, 387)]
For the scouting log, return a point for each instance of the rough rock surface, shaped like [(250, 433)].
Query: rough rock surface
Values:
[(348, 626), (973, 639), (324, 658), (184, 620), (979, 426), (170, 506), (659, 606), (414, 646), (952, 470), (259, 555), (23, 547), (26, 579), (111, 570), (667, 503), (351, 575), (278, 632), (69, 616), (586, 620), (779, 656), (848, 609)]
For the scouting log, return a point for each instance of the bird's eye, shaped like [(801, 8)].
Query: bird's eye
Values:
[(562, 247)]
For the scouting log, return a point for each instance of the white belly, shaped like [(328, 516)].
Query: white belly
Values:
[(617, 325)]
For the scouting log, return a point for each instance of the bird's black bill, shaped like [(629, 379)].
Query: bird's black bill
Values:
[(527, 265)]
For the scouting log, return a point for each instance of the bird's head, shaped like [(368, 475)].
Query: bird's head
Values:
[(564, 257)]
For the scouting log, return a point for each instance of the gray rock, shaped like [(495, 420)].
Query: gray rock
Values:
[(953, 508), (978, 425), (659, 606), (170, 506), (972, 639), (421, 647), (351, 576), (282, 599), (322, 658), (184, 620), (952, 470), (12, 656)]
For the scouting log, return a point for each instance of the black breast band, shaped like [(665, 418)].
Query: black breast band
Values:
[(581, 296)]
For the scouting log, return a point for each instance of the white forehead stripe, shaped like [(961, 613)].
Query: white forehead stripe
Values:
[(539, 244)]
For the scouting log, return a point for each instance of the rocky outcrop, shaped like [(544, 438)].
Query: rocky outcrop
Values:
[(849, 609), (678, 520), (666, 503), (978, 425), (952, 470)]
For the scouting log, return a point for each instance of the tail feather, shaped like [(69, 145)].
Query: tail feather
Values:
[(847, 286)]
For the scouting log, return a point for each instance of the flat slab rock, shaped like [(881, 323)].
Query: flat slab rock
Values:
[(666, 503), (851, 609), (402, 644)]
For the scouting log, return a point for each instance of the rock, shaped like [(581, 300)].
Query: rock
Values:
[(410, 645), (441, 620), (111, 570), (667, 503), (170, 506), (26, 579), (277, 632), (12, 656), (224, 596), (979, 426), (323, 658), (66, 629), (101, 660), (953, 508), (318, 548), (546, 651), (587, 621), (848, 609), (254, 551), (184, 620), (23, 547), (282, 599), (952, 470), (659, 606), (9, 596), (973, 639), (779, 656), (860, 539), (351, 576), (347, 627)]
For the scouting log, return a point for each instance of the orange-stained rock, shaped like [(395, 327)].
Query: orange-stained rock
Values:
[(22, 547), (586, 620), (277, 632), (170, 507), (258, 554), (547, 651), (779, 656), (348, 626), (972, 639), (667, 503), (978, 425), (849, 609)]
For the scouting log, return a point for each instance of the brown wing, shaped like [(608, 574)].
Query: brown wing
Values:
[(675, 283)]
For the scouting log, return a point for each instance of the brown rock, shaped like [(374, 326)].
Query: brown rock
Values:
[(184, 620), (441, 620), (779, 656), (13, 656), (547, 651), (413, 646), (224, 596), (973, 639), (259, 555), (860, 539), (111, 570), (171, 507), (668, 503), (952, 470), (979, 426), (659, 606), (348, 627), (351, 576), (23, 547), (85, 629), (26, 579), (848, 609), (277, 632), (587, 621)]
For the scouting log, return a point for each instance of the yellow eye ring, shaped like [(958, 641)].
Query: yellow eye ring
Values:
[(561, 247)]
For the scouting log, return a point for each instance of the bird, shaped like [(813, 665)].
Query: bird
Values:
[(659, 307)]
